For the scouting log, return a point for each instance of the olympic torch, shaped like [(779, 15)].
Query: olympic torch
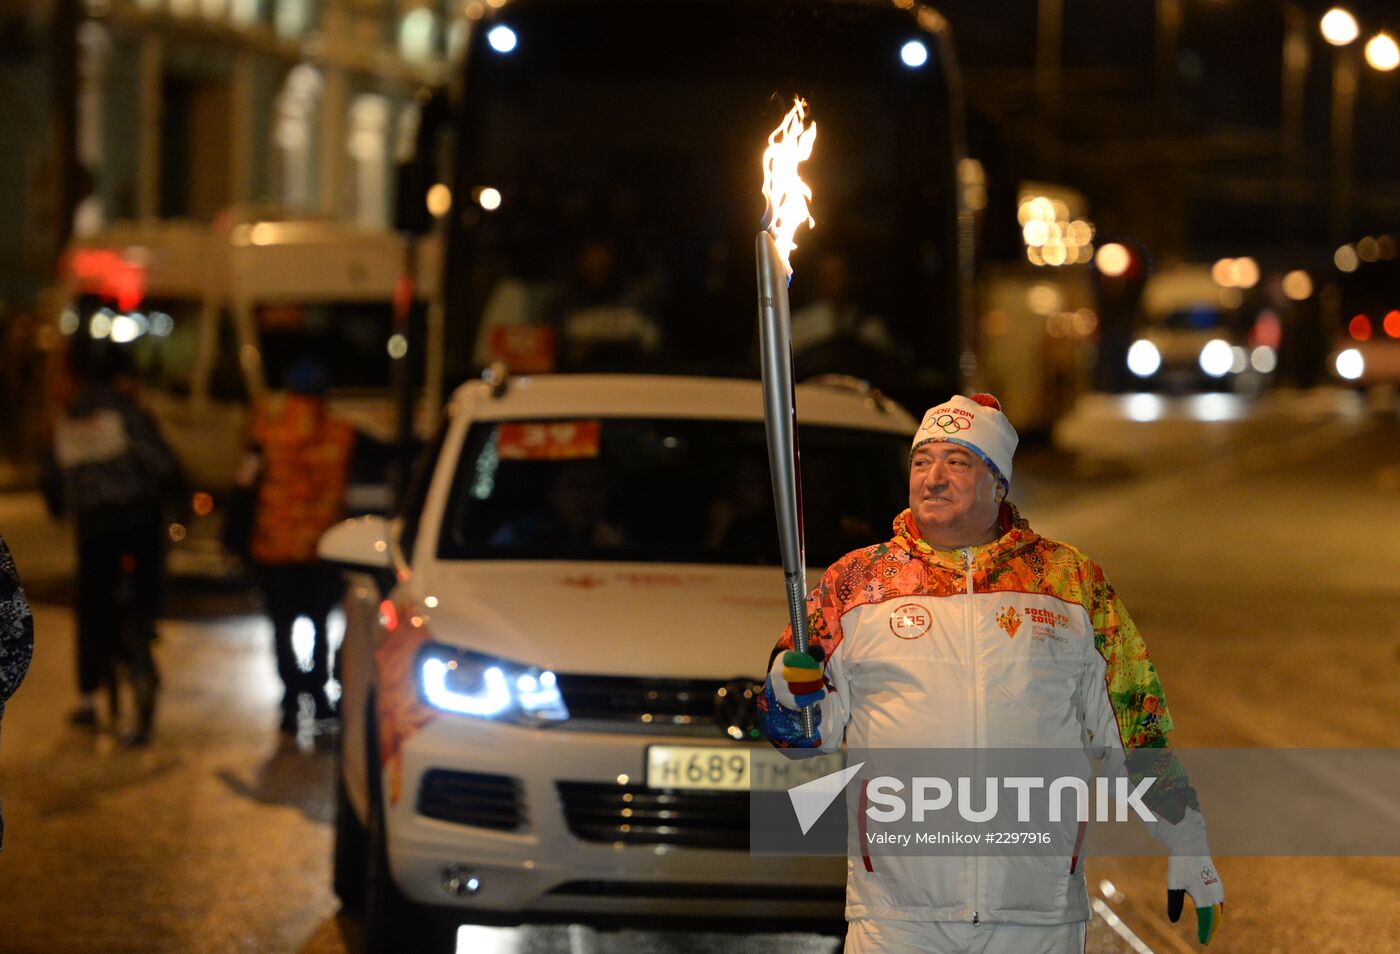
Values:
[(786, 196)]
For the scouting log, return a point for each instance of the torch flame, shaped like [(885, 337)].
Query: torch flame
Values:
[(783, 188)]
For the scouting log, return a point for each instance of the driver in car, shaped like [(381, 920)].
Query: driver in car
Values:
[(575, 515)]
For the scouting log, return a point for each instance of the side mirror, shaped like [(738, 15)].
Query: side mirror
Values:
[(360, 544)]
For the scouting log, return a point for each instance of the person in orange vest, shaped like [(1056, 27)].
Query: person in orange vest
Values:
[(299, 461)]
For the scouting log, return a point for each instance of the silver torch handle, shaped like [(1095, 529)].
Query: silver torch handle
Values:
[(780, 426)]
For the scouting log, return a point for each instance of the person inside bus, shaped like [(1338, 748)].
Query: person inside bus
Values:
[(598, 317), (827, 329), (297, 469), (603, 313)]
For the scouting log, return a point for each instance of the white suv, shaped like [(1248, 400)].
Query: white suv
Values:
[(552, 656)]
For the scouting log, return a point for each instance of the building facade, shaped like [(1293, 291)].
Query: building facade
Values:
[(211, 112), (225, 110)]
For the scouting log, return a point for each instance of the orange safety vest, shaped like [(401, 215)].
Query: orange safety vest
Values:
[(306, 457)]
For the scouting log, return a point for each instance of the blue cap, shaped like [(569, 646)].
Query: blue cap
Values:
[(306, 376)]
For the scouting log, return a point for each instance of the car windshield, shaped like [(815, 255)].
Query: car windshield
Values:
[(674, 491)]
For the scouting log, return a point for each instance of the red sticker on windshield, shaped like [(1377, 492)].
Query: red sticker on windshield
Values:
[(548, 440)]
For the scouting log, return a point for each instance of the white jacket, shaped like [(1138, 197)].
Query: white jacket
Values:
[(1020, 643)]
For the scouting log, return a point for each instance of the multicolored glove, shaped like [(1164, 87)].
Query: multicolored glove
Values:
[(782, 724), (800, 681), (1190, 871)]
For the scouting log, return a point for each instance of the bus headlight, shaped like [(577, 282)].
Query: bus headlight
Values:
[(1143, 358), (475, 684)]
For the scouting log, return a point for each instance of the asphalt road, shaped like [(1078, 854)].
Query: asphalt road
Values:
[(1256, 549)]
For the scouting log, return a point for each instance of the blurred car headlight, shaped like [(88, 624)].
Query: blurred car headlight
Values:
[(475, 684), (1350, 364), (1217, 358), (1143, 358)]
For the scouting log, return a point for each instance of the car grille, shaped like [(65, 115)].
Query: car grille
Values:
[(644, 700), (637, 815), (468, 798)]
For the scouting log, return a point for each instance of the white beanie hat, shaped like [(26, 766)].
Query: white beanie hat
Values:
[(976, 423)]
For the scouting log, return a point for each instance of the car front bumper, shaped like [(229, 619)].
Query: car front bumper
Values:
[(542, 866)]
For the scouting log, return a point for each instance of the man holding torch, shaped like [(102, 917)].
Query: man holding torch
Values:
[(910, 643)]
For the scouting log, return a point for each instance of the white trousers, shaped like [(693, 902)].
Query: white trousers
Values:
[(866, 936)]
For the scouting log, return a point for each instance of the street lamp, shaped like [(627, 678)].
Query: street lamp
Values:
[(1382, 53), (1339, 27)]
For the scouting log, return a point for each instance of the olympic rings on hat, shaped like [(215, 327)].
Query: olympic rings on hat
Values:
[(948, 423)]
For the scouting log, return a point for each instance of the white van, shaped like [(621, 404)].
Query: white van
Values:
[(214, 317)]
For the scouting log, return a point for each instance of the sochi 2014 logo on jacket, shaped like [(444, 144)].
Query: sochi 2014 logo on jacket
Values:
[(910, 621), (1009, 620), (1046, 624)]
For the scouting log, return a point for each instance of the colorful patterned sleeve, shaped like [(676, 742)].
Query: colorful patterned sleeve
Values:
[(1134, 691), (823, 618), (782, 726), (1138, 704)]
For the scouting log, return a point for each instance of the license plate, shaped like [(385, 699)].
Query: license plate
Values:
[(726, 769)]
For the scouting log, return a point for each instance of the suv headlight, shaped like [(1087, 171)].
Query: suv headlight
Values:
[(475, 684)]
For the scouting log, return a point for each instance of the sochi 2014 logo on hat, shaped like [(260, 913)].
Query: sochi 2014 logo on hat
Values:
[(910, 621)]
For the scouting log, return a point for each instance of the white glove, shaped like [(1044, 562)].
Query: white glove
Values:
[(1190, 871)]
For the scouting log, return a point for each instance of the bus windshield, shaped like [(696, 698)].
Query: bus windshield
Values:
[(347, 337), (607, 190)]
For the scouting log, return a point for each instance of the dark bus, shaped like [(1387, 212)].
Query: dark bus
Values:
[(605, 189)]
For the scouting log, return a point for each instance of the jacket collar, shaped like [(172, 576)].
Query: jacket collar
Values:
[(1016, 534)]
